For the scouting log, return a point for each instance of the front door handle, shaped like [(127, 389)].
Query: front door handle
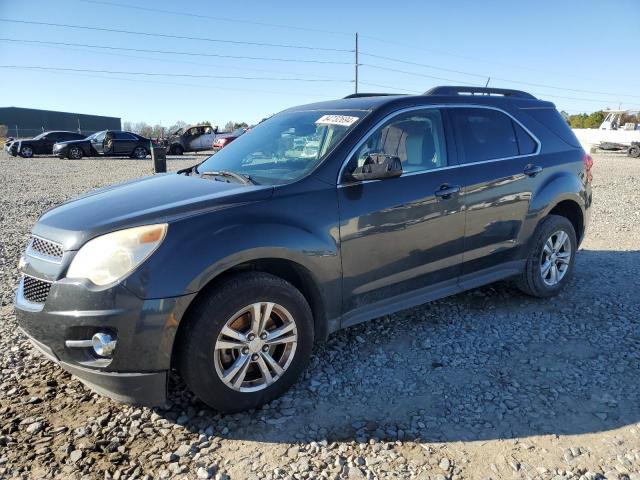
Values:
[(532, 170), (445, 191)]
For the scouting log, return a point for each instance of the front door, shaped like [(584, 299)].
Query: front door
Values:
[(401, 235)]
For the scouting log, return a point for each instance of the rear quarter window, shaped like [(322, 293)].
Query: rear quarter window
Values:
[(551, 118)]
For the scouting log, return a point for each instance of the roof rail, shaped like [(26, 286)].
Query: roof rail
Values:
[(454, 90), (360, 95)]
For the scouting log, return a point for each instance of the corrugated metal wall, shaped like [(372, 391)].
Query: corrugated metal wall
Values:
[(27, 122)]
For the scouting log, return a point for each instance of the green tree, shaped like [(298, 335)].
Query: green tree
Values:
[(594, 120)]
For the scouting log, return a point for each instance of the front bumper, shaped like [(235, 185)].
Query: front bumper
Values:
[(145, 330)]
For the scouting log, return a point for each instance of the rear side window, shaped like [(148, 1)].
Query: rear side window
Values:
[(550, 118), (123, 136), (526, 144), (483, 134)]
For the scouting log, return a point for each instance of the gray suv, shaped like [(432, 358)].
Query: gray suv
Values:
[(322, 217)]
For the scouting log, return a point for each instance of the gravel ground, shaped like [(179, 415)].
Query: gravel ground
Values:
[(486, 384)]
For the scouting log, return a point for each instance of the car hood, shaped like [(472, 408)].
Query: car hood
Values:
[(156, 199)]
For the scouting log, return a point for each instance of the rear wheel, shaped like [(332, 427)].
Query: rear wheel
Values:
[(139, 153), (634, 151), (550, 262), (247, 342), (75, 153), (26, 152)]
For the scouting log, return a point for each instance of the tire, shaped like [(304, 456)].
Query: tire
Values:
[(177, 150), (26, 151), (634, 151), (75, 153), (531, 281), (201, 358), (139, 153)]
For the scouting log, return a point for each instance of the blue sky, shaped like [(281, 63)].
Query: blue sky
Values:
[(590, 46)]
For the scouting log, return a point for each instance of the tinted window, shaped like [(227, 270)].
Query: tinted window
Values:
[(526, 144), (416, 137), (123, 136), (483, 134), (551, 118)]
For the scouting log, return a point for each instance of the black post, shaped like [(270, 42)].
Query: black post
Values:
[(159, 157)]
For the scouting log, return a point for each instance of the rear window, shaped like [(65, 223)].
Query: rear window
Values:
[(550, 118), (483, 134)]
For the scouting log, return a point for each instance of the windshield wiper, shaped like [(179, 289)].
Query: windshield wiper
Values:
[(241, 177)]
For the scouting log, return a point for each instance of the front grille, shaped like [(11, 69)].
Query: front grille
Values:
[(35, 290), (46, 248)]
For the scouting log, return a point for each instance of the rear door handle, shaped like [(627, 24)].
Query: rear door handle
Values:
[(532, 170), (445, 191)]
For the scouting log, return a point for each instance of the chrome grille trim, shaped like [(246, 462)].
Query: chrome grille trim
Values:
[(45, 249)]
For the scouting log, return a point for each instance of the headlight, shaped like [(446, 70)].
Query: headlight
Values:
[(109, 258)]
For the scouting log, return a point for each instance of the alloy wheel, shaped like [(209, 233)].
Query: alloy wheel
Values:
[(255, 347), (555, 258), (26, 152), (75, 153)]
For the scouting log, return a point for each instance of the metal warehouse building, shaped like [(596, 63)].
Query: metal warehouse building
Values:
[(27, 122)]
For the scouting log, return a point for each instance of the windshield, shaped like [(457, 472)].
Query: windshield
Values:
[(285, 147), (95, 135)]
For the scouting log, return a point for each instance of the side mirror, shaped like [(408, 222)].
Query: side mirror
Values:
[(378, 167)]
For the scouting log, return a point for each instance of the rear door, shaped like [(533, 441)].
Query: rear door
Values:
[(497, 172), (123, 143), (401, 235)]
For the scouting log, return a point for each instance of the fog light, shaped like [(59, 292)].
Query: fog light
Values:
[(103, 344)]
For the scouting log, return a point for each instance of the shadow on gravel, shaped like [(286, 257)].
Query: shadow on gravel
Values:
[(486, 364)]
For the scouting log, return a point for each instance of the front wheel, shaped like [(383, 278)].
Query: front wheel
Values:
[(176, 150), (246, 342), (26, 152), (634, 151), (75, 153), (551, 259)]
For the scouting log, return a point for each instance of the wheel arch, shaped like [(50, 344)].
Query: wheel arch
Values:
[(291, 271)]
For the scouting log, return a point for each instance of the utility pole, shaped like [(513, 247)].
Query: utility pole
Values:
[(487, 84), (79, 129), (356, 62)]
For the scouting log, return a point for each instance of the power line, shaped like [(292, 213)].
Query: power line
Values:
[(211, 17), (390, 87), (413, 73), (179, 37), (173, 52), (173, 61), (422, 65), (576, 90), (189, 75)]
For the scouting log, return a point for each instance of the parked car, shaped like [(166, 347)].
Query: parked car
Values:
[(41, 144), (193, 138), (325, 216), (225, 139), (108, 143), (7, 143)]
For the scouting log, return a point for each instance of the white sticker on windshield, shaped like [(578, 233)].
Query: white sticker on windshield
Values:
[(344, 120)]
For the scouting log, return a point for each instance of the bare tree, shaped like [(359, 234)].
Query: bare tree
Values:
[(127, 126)]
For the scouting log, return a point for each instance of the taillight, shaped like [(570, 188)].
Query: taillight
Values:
[(588, 165)]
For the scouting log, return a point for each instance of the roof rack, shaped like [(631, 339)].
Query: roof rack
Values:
[(360, 95), (453, 90)]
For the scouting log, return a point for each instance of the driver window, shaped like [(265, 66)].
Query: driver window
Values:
[(416, 137), (100, 138)]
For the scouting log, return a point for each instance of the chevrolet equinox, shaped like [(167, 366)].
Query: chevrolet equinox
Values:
[(324, 216)]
